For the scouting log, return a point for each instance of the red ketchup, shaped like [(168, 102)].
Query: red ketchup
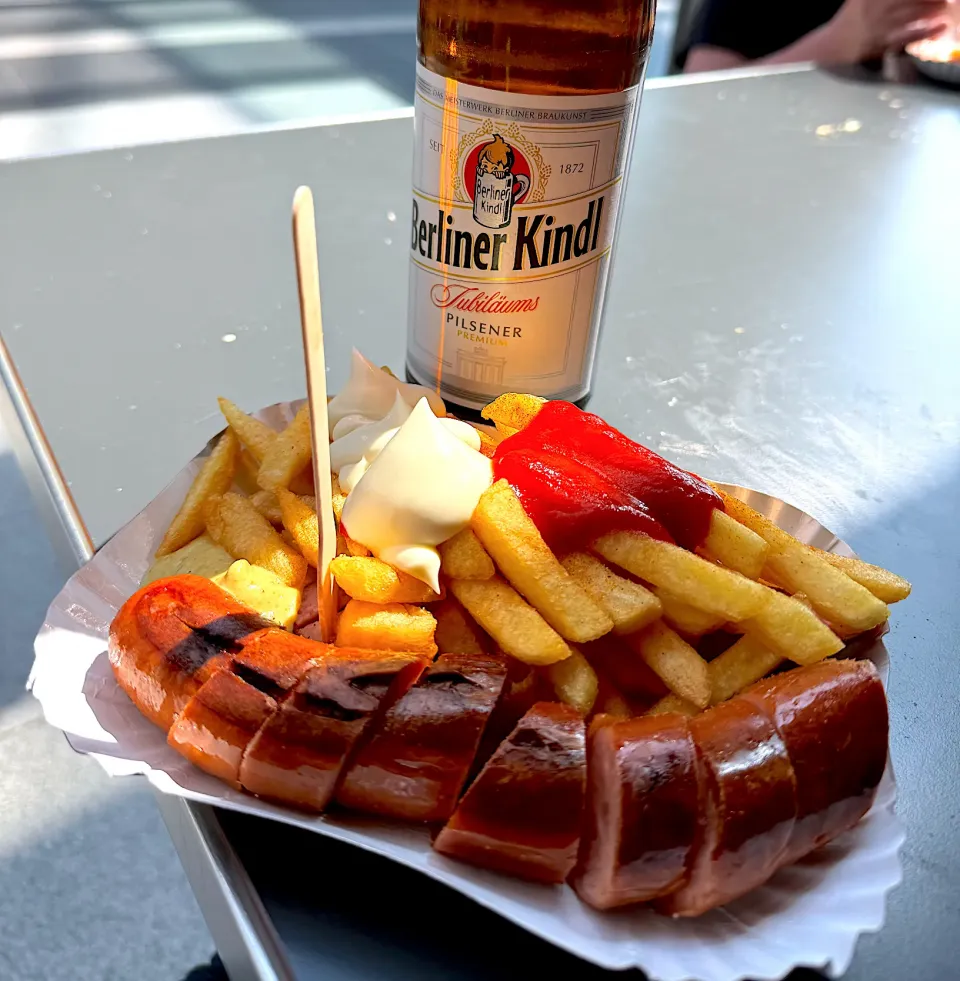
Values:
[(578, 478)]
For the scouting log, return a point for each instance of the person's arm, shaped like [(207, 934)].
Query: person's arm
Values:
[(820, 45), (861, 29)]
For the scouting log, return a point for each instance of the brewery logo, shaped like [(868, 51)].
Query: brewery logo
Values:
[(497, 168), (496, 176)]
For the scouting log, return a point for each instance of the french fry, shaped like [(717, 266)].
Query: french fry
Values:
[(267, 504), (628, 604), (512, 411), (512, 539), (832, 593), (463, 557), (302, 483), (610, 701), (300, 519), (490, 439), (255, 435), (214, 478), (339, 498), (673, 703), (391, 627), (247, 469), (456, 632), (746, 661), (734, 545), (701, 583), (373, 581), (235, 524), (515, 625), (679, 666), (575, 682), (262, 591), (885, 585), (686, 619), (791, 629), (202, 557), (288, 454)]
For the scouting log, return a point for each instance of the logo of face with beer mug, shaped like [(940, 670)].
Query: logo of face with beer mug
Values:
[(497, 176)]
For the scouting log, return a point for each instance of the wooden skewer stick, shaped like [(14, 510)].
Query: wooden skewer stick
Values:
[(308, 282)]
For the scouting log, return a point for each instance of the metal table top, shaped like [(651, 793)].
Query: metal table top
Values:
[(784, 314)]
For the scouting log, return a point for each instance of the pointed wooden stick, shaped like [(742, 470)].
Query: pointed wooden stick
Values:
[(308, 282)]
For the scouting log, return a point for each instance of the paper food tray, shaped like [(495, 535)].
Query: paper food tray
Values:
[(809, 914)]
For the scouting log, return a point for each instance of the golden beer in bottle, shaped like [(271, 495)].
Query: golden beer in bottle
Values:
[(524, 122)]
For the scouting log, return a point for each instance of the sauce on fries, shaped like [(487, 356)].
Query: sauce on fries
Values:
[(570, 464)]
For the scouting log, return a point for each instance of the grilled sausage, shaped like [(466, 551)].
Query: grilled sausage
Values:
[(643, 817), (748, 805), (170, 637), (415, 764), (832, 717), (298, 754), (522, 814)]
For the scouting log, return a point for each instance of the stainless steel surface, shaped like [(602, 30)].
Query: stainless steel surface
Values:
[(242, 930), (783, 315)]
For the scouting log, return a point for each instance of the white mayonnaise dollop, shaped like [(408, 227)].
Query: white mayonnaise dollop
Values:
[(369, 395), (351, 454), (420, 490)]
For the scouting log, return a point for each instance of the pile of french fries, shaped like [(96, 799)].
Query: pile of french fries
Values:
[(653, 606)]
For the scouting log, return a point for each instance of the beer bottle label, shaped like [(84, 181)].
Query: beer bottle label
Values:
[(515, 202)]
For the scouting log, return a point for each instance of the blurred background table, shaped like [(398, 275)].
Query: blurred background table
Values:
[(783, 315)]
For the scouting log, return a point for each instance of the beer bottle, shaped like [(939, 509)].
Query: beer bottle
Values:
[(524, 123)]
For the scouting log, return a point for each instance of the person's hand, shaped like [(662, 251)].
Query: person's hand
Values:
[(864, 29)]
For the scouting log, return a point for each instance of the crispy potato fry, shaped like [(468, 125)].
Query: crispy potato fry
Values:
[(463, 557), (611, 701), (832, 593), (679, 666), (245, 533), (628, 604), (513, 624), (512, 539), (355, 548), (255, 435), (885, 585), (673, 703), (734, 545), (575, 682), (300, 519), (262, 591), (700, 583), (747, 661), (512, 411), (687, 619), (247, 469), (202, 557), (288, 454), (339, 498), (391, 627), (457, 632), (369, 579), (215, 477), (792, 630), (302, 483), (490, 439), (267, 504)]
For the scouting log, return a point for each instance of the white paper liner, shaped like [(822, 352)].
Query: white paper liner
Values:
[(808, 915)]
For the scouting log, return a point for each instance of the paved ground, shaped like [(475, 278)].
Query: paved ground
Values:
[(90, 887)]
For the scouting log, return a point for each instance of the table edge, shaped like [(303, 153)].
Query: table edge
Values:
[(245, 937)]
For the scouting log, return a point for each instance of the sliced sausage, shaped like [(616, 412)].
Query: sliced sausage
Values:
[(298, 754), (749, 807), (522, 814), (217, 724), (643, 815), (415, 764), (159, 656), (832, 717)]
